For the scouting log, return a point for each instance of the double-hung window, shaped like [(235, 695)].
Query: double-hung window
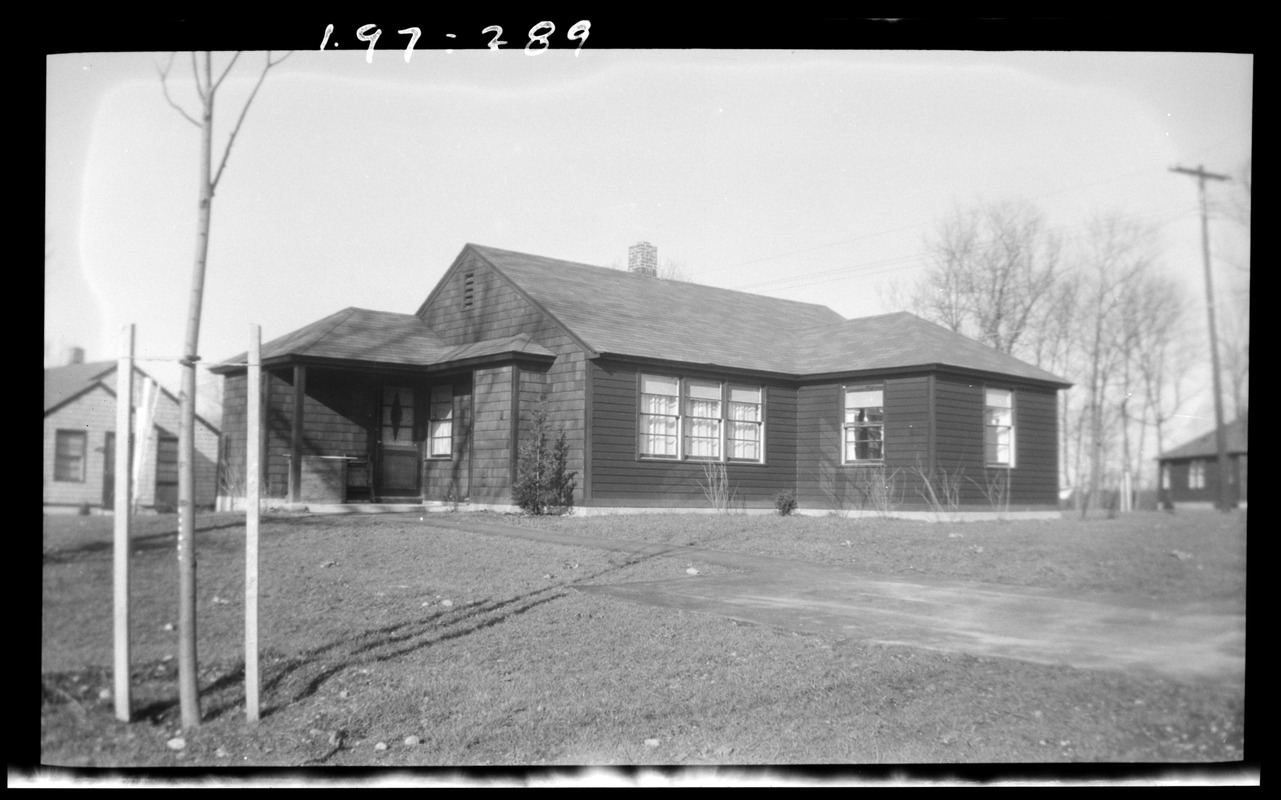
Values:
[(864, 423), (745, 433), (1196, 474), (69, 456), (700, 420), (998, 427), (440, 433), (703, 420), (660, 417)]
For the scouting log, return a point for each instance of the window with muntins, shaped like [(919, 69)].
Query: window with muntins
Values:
[(69, 456), (700, 420), (1196, 474), (998, 427), (440, 434), (864, 437)]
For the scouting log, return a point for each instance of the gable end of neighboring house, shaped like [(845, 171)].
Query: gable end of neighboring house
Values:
[(80, 441)]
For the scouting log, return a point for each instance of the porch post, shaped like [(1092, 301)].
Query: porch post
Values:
[(295, 442)]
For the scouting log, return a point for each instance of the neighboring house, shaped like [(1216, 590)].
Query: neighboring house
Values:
[(1190, 473), (80, 442), (653, 381)]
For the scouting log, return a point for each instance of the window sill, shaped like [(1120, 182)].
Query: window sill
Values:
[(688, 460)]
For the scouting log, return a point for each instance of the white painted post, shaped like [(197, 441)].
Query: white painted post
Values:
[(144, 424), (253, 447), (123, 501)]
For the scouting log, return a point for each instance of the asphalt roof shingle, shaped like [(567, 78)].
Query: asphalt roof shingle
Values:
[(63, 383), (1238, 436), (623, 313), (382, 337)]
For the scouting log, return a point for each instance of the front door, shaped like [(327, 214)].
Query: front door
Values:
[(398, 450)]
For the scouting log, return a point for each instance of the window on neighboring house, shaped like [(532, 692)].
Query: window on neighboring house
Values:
[(441, 427), (998, 433), (69, 456), (864, 423), (1196, 474), (700, 420), (1165, 477)]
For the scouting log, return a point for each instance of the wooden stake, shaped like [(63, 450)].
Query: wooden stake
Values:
[(253, 447), (120, 538)]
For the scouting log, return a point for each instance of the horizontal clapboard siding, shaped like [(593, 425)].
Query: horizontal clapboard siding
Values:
[(1035, 478), (619, 478), (825, 483)]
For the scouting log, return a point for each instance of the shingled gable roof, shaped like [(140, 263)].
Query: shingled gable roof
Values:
[(902, 340), (379, 337), (1204, 446), (622, 313), (66, 383), (63, 383)]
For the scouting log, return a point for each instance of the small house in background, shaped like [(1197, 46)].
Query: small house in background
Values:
[(80, 441), (658, 385), (1189, 474)]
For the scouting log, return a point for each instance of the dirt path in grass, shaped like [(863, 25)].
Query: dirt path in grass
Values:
[(1190, 642)]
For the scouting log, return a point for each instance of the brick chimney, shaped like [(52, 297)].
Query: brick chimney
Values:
[(642, 258), (75, 355)]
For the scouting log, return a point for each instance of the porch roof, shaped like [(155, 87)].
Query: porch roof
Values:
[(379, 338)]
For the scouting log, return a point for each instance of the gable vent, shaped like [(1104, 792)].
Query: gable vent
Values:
[(469, 289)]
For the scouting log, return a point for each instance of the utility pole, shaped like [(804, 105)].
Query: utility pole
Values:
[(1225, 502)]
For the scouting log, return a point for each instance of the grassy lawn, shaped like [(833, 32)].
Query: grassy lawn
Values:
[(388, 643)]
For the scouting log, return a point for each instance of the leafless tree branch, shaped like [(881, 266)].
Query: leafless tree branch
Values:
[(164, 87), (243, 111)]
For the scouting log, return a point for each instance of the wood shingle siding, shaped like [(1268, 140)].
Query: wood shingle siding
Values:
[(499, 310)]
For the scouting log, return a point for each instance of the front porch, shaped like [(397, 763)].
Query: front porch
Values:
[(352, 425)]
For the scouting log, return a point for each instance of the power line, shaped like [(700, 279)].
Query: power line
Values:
[(824, 246), (907, 261)]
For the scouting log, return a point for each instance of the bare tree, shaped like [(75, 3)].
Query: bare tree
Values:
[(673, 269), (1116, 255), (1152, 321), (206, 89), (994, 269)]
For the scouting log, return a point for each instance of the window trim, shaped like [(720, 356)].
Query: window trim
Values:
[(432, 420), (1197, 468), (846, 388), (682, 417), (1013, 428), (83, 437)]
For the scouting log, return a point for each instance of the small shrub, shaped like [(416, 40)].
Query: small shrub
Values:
[(716, 487), (84, 509), (785, 502), (543, 484)]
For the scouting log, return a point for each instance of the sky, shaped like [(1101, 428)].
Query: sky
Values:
[(812, 175)]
